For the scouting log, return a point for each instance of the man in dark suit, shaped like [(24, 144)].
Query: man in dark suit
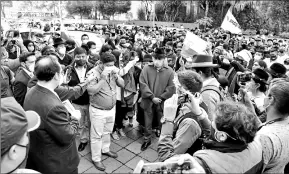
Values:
[(53, 146), (24, 74), (78, 72)]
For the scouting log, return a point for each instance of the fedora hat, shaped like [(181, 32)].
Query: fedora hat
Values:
[(203, 61), (58, 41)]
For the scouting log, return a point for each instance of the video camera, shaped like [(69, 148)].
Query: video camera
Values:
[(243, 78)]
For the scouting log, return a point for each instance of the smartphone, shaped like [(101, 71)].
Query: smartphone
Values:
[(162, 167), (13, 42)]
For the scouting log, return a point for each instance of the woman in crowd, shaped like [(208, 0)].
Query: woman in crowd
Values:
[(29, 44), (256, 88), (13, 50), (259, 64)]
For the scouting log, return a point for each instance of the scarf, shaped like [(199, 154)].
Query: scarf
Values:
[(224, 147)]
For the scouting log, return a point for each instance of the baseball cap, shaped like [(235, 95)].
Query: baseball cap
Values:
[(15, 122)]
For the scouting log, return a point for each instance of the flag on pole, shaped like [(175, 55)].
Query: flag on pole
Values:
[(230, 23), (193, 44)]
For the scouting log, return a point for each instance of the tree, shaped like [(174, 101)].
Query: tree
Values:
[(147, 7), (128, 16), (110, 8), (279, 12), (205, 22), (141, 14), (168, 10), (81, 8)]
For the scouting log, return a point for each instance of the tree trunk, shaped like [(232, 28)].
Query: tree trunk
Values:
[(207, 8), (95, 13), (222, 11), (3, 12)]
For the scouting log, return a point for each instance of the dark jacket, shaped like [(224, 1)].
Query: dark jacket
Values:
[(52, 146), (67, 60), (20, 85), (84, 99), (6, 76), (156, 84)]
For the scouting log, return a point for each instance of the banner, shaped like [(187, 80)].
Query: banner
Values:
[(230, 23), (193, 44)]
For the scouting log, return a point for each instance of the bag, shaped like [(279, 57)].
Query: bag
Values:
[(198, 144), (217, 89)]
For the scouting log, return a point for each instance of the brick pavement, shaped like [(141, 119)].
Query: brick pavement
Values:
[(128, 150)]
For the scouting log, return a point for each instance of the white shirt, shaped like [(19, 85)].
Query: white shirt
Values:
[(81, 71), (28, 72)]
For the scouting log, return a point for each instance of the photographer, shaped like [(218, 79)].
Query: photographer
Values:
[(182, 129), (256, 88), (232, 133)]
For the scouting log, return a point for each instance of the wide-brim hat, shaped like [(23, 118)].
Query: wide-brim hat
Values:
[(277, 70), (58, 41), (203, 61), (159, 53)]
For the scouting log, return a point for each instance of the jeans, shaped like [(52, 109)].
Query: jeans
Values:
[(102, 122), (152, 117), (84, 122)]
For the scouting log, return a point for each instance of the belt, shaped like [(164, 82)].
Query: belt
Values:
[(100, 108)]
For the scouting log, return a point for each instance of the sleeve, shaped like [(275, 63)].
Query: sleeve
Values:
[(189, 131), (237, 66), (268, 149), (22, 48), (124, 71), (170, 89), (60, 125), (210, 98), (19, 92), (165, 144), (70, 93), (144, 88)]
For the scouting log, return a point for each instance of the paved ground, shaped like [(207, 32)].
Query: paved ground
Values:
[(129, 154)]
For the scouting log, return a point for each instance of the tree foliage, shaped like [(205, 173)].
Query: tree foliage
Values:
[(81, 8), (205, 22), (110, 8), (141, 14), (168, 10)]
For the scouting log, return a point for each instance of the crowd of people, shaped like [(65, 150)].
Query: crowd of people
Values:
[(224, 110)]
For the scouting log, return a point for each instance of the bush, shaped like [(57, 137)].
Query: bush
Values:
[(284, 35)]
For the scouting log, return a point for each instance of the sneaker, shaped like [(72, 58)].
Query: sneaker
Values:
[(115, 135), (121, 133)]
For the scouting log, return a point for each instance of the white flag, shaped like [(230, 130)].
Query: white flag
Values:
[(193, 44), (230, 23)]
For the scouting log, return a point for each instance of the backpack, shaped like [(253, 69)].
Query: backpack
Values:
[(217, 89), (198, 144)]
